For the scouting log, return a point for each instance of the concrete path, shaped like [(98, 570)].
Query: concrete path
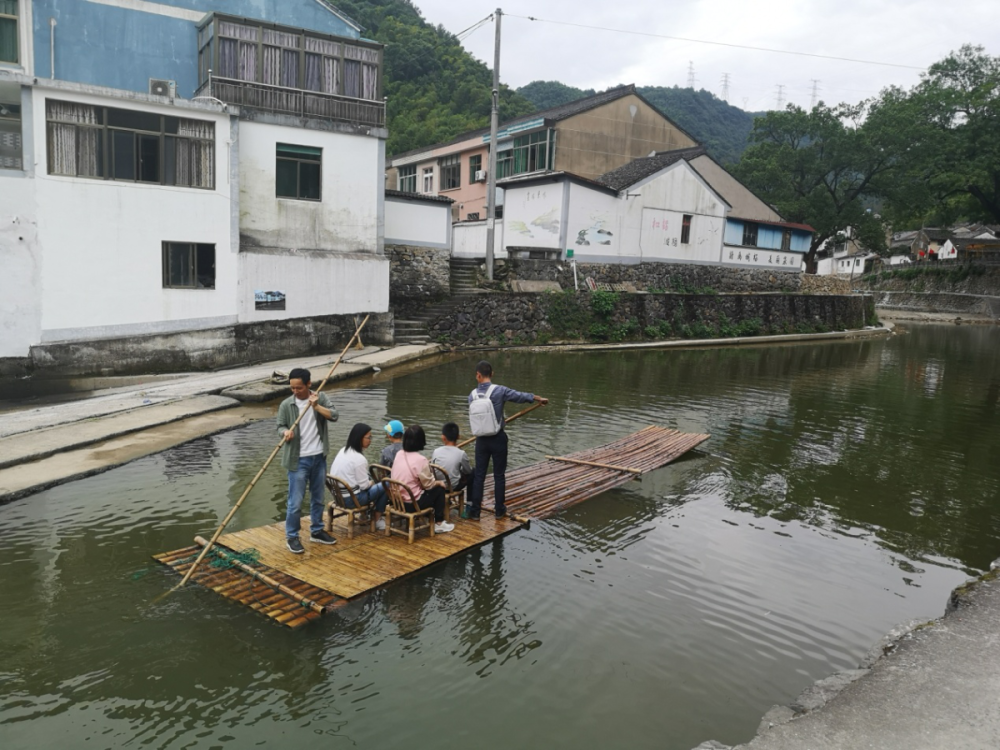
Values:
[(56, 443), (935, 688)]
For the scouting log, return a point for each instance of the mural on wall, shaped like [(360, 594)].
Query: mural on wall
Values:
[(263, 300), (597, 233), (544, 223)]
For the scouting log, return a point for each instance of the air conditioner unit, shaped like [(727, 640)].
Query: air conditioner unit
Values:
[(162, 87), (480, 175)]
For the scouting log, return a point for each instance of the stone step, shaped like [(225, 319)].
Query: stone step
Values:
[(409, 323)]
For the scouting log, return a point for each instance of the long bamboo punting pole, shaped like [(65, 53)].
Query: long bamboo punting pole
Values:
[(507, 421), (230, 558), (593, 463), (236, 507)]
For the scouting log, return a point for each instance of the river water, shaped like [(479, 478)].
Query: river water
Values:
[(847, 487)]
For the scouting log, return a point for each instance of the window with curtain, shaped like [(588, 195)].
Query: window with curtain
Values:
[(129, 145), (281, 58), (322, 65), (360, 72), (531, 153), (8, 31), (238, 50)]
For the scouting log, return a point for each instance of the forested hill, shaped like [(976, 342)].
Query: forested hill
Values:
[(720, 127), (436, 89)]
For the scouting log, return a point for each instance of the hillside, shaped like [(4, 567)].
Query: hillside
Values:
[(720, 127), (435, 88)]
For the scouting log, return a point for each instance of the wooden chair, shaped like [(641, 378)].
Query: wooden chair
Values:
[(395, 511), (453, 499), (339, 489), (378, 472)]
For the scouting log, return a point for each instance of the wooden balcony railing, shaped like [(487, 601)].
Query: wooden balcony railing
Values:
[(299, 102)]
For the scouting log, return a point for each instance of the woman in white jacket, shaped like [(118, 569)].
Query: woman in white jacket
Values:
[(351, 465)]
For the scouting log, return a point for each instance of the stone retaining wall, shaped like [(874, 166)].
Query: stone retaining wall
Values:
[(526, 318), (660, 276), (209, 349), (417, 275), (812, 284), (942, 276), (940, 302)]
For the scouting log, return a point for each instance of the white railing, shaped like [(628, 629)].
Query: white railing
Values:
[(285, 100)]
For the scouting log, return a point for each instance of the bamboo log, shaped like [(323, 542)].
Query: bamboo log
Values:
[(593, 463), (236, 506), (230, 558)]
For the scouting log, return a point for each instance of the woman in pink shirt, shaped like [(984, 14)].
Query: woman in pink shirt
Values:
[(413, 470)]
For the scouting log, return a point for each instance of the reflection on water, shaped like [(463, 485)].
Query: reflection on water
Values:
[(846, 487)]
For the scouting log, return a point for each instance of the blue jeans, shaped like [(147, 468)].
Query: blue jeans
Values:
[(374, 494), (312, 470)]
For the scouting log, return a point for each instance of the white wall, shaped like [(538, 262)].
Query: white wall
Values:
[(314, 283), (102, 242), (533, 215), (21, 261), (468, 240), (593, 227), (653, 218), (420, 223), (346, 219)]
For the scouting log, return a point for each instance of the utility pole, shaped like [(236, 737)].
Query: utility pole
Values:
[(815, 93), (781, 96), (491, 175), (725, 87), (691, 78)]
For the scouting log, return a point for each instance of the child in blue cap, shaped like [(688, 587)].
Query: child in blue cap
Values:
[(394, 432)]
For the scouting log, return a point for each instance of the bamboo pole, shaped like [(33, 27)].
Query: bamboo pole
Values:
[(593, 463), (507, 421), (236, 507), (230, 558)]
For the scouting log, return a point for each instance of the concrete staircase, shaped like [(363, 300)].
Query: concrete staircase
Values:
[(414, 329)]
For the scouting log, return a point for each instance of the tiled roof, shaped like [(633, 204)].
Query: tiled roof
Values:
[(938, 235), (640, 169), (418, 196), (552, 114)]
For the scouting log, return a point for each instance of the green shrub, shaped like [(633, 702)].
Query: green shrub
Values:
[(603, 303), (567, 313), (599, 331)]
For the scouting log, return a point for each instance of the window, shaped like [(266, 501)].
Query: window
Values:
[(505, 163), (472, 216), (286, 57), (128, 145), (686, 229), (451, 172), (750, 234), (406, 179), (188, 265), (10, 136), (475, 165), (8, 32), (528, 153), (298, 172), (428, 179)]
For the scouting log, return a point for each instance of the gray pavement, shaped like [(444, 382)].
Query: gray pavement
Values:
[(935, 688)]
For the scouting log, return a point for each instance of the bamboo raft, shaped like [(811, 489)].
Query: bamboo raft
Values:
[(297, 589)]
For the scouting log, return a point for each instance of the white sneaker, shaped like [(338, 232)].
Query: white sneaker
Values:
[(443, 528), (380, 524)]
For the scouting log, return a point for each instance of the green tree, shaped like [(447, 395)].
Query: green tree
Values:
[(952, 129), (826, 168), (545, 94)]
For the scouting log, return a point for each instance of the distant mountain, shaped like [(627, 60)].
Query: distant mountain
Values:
[(718, 126), (435, 89)]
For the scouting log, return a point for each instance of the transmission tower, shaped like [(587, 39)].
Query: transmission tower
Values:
[(725, 87), (691, 78), (815, 93), (781, 96)]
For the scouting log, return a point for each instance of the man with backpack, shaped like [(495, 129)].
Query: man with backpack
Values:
[(486, 420)]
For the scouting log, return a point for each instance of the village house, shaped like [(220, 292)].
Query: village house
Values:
[(677, 206), (187, 184), (586, 137)]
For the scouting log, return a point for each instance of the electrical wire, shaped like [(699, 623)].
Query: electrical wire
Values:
[(466, 33), (718, 44)]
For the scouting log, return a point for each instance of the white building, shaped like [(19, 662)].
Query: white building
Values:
[(140, 230), (675, 207)]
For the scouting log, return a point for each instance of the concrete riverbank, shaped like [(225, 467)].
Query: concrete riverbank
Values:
[(925, 686)]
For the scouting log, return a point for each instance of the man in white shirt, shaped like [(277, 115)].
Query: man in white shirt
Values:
[(304, 456)]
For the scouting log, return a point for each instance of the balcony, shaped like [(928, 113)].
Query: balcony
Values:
[(296, 102)]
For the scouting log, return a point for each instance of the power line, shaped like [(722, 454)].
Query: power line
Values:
[(719, 44), (466, 33)]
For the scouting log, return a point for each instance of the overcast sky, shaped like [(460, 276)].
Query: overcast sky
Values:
[(907, 32)]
